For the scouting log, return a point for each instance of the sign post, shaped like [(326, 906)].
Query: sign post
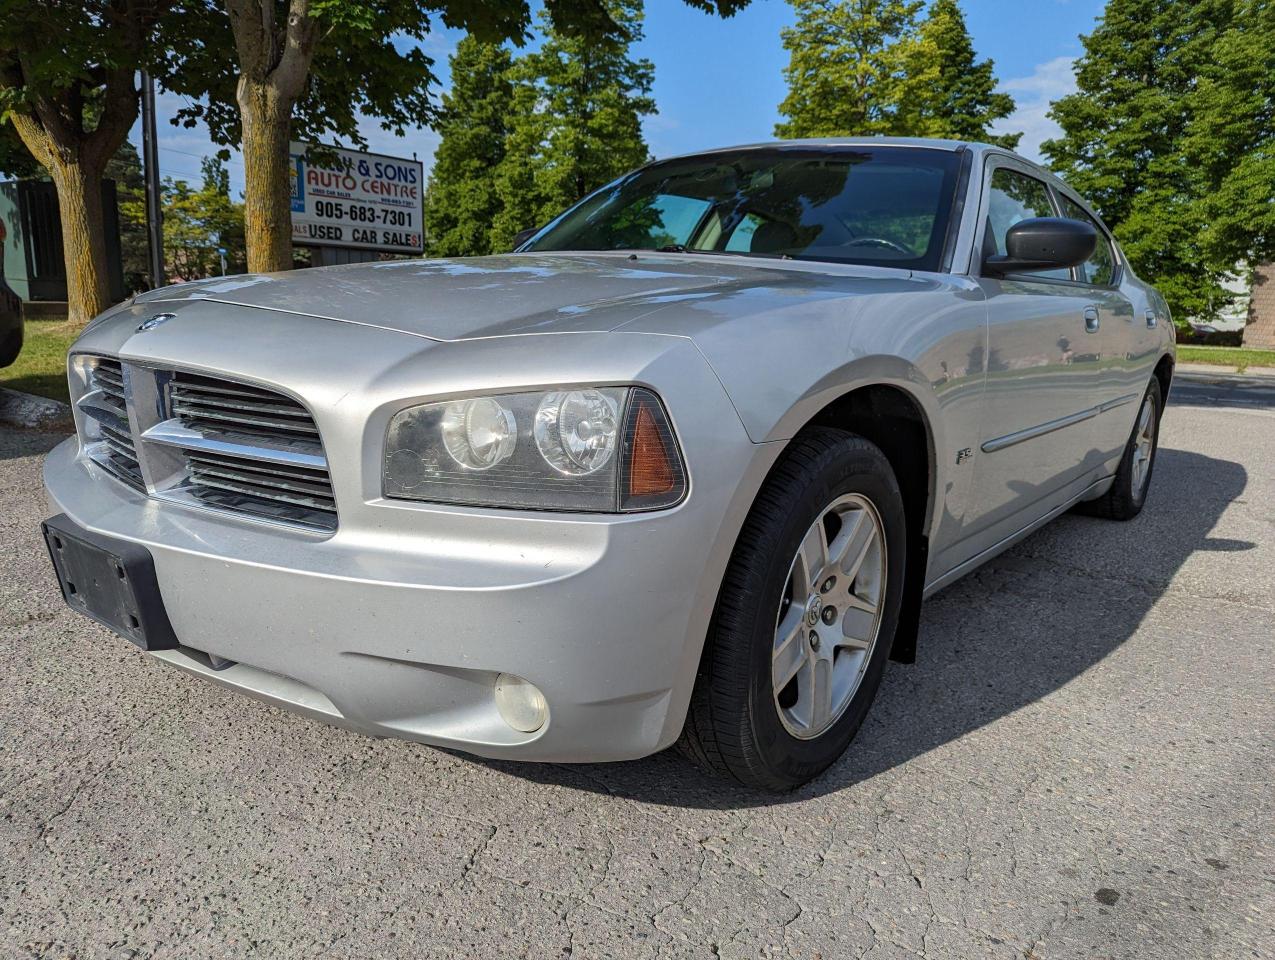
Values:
[(359, 201)]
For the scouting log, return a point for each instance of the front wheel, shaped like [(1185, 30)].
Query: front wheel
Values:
[(805, 617)]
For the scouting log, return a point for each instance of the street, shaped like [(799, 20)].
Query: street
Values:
[(1079, 765)]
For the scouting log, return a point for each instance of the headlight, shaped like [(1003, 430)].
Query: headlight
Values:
[(596, 449)]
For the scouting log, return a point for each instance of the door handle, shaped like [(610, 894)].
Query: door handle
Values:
[(1091, 320), (1151, 318)]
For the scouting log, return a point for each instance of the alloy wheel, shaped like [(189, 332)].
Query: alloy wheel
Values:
[(1143, 446), (829, 616)]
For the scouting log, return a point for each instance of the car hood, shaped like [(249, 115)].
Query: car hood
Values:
[(491, 296)]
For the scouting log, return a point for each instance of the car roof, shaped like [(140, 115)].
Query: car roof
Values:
[(918, 142), (931, 144)]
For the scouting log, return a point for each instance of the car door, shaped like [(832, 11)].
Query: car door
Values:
[(1043, 370), (1122, 373)]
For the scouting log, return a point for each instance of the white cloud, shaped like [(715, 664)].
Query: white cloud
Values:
[(1032, 95)]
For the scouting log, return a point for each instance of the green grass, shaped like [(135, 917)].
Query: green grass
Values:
[(1239, 357), (41, 366)]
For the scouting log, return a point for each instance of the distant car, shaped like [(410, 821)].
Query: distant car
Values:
[(10, 330), (683, 466), (10, 315)]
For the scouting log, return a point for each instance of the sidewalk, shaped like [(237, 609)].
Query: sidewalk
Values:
[(1223, 370)]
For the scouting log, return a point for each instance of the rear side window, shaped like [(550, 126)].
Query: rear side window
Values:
[(1100, 269), (1016, 197)]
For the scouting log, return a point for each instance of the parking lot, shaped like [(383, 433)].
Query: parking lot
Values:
[(1079, 765)]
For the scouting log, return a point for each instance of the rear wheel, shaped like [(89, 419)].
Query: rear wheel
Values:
[(1128, 491), (805, 617)]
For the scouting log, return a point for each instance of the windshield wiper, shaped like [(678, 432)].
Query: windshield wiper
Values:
[(673, 248)]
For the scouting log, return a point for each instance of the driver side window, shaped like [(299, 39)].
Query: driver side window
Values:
[(1016, 197)]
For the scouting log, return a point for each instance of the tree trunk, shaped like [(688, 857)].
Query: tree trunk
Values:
[(79, 190), (267, 125)]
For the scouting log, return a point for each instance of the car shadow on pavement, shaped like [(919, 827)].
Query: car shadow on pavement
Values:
[(1012, 632)]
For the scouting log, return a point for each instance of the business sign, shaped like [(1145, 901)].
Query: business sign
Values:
[(360, 200)]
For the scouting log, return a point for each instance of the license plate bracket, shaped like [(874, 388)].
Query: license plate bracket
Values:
[(111, 581)]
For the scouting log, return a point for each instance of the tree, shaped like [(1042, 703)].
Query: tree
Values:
[(125, 168), (946, 92), (847, 67), (67, 85), (200, 224), (461, 201), (309, 68), (576, 122), (1230, 140), (1125, 131)]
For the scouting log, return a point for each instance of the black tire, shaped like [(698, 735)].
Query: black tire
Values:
[(1125, 499), (733, 726)]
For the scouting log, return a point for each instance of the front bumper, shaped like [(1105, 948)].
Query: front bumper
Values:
[(399, 623)]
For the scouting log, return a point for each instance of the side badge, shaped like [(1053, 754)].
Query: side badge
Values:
[(965, 453), (150, 323)]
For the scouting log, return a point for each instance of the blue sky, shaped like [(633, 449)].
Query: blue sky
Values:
[(719, 82)]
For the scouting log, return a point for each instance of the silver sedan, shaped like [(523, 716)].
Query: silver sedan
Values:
[(680, 469)]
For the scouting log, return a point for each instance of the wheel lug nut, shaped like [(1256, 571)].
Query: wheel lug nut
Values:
[(828, 584), (829, 615)]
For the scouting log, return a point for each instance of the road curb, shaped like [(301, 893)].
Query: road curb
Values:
[(32, 412)]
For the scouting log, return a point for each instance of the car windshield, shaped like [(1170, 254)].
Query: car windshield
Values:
[(887, 206)]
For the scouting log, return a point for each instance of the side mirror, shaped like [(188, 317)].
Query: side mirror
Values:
[(1044, 243), (522, 236)]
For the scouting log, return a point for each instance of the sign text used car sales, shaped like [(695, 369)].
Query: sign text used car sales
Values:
[(358, 200)]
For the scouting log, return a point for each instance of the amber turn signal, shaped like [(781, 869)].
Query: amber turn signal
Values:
[(653, 473)]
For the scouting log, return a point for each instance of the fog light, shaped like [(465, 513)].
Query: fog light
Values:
[(521, 704)]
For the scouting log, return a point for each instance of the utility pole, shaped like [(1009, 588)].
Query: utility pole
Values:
[(150, 161)]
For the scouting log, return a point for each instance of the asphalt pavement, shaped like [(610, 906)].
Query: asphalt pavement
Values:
[(1079, 765)]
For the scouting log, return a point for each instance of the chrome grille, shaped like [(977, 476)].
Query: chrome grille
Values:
[(211, 442), (111, 443)]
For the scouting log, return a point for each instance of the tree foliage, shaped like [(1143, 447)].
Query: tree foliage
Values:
[(16, 162), (947, 92), (202, 226), (1170, 135), (869, 67), (461, 201), (847, 67), (1230, 140), (524, 139), (576, 123), (125, 168)]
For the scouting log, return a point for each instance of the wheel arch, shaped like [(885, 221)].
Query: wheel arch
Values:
[(895, 420)]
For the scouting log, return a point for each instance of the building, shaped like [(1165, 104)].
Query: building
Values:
[(33, 265), (1260, 331)]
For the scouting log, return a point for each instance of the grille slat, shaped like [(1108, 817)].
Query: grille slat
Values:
[(211, 401), (266, 482), (200, 478), (192, 415), (212, 405)]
